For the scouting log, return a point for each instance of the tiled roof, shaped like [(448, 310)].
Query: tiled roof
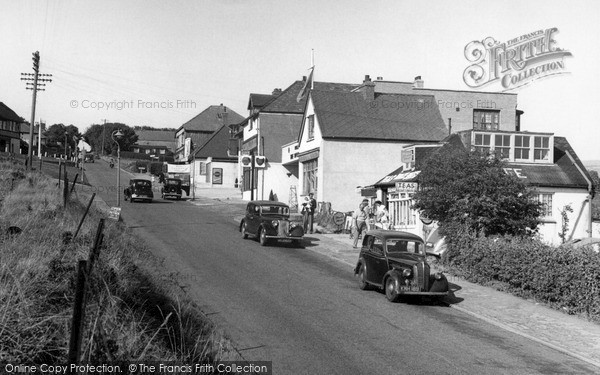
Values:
[(387, 117), (563, 173), (7, 114), (211, 119), (156, 135), (216, 146), (287, 101), (259, 100)]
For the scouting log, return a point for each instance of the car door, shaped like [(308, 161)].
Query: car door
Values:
[(375, 260), (251, 218)]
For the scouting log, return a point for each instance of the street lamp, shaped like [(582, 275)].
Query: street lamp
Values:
[(117, 133)]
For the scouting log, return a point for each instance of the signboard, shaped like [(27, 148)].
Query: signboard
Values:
[(406, 187), (217, 176), (114, 213), (178, 168), (407, 156)]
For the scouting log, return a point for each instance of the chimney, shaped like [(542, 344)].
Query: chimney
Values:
[(303, 78), (368, 89), (418, 84), (380, 78), (276, 92)]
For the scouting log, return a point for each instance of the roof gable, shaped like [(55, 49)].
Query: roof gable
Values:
[(216, 146), (259, 100), (212, 118), (7, 114)]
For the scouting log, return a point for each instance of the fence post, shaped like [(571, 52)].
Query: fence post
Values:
[(73, 185), (65, 189), (78, 313), (84, 215)]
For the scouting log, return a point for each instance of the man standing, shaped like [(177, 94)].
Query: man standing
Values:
[(312, 202)]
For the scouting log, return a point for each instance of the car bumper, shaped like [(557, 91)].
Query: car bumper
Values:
[(284, 237), (423, 293)]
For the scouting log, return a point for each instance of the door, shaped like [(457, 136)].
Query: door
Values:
[(375, 261)]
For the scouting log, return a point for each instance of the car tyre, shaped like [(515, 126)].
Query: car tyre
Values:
[(362, 278), (390, 290), (262, 237), (243, 230)]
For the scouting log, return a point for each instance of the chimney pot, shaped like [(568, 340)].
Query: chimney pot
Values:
[(380, 78), (367, 78), (276, 92), (418, 84), (303, 78)]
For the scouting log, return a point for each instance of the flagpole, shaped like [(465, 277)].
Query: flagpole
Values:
[(312, 64)]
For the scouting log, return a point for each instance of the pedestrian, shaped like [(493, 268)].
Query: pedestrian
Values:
[(359, 218), (312, 202), (305, 213)]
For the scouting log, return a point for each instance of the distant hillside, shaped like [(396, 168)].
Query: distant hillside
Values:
[(593, 165)]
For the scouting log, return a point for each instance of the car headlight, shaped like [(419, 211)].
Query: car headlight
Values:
[(275, 223), (406, 273), (438, 275)]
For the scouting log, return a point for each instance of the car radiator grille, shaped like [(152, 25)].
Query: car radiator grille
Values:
[(283, 228), (421, 275)]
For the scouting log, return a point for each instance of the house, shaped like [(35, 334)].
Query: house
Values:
[(198, 130), (24, 135), (270, 125), (213, 165), (544, 161), (158, 144), (10, 128), (350, 138)]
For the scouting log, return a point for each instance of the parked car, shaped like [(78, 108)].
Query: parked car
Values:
[(396, 261), (89, 158), (268, 220), (171, 188), (139, 189)]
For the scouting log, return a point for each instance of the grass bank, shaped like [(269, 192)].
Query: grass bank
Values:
[(135, 311)]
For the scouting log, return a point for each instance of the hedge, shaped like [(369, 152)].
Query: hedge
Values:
[(564, 277)]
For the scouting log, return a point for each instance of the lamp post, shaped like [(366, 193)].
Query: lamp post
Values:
[(117, 133)]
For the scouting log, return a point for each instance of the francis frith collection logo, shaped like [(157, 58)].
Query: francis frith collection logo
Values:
[(514, 63)]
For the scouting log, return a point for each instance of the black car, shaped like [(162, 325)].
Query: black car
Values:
[(396, 262), (268, 220), (139, 190), (171, 188)]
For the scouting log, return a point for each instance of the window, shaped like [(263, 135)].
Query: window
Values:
[(486, 119), (522, 147), (546, 200), (502, 146), (310, 169), (541, 148), (246, 179), (482, 143), (401, 212), (311, 127), (202, 168)]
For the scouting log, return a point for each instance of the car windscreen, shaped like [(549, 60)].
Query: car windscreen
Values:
[(395, 246), (142, 183), (174, 182), (274, 210)]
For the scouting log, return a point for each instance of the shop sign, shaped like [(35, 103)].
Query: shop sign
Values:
[(406, 187)]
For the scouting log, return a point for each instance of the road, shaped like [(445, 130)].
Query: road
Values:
[(304, 311)]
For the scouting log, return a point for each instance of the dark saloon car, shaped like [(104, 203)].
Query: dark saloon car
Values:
[(395, 261), (139, 190), (171, 188), (268, 220)]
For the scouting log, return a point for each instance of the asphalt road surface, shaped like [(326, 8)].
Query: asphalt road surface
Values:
[(304, 311)]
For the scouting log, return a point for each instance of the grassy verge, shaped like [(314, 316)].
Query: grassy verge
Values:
[(134, 311)]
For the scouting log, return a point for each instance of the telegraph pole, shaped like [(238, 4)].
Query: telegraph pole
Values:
[(35, 86)]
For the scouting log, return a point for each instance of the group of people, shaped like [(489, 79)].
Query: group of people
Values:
[(367, 218), (308, 212)]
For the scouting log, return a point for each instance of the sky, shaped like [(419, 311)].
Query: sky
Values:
[(160, 63)]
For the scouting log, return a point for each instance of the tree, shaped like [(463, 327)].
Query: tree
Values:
[(55, 136), (95, 133), (474, 191)]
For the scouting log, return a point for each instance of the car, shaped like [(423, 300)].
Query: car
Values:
[(89, 158), (396, 262), (139, 190), (171, 188), (269, 220)]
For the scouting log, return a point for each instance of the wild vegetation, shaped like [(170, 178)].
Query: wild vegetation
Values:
[(134, 311)]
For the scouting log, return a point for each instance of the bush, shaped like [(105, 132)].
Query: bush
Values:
[(567, 278)]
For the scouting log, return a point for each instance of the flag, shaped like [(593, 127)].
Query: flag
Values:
[(307, 86)]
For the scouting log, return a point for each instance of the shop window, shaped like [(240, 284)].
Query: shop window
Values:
[(401, 212), (202, 168), (486, 119), (309, 174), (502, 146), (521, 147), (482, 143), (541, 148)]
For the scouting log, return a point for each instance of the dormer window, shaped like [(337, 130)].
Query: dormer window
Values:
[(541, 148), (502, 146), (522, 147), (482, 143)]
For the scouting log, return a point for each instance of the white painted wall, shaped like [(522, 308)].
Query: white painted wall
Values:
[(551, 227), (230, 173)]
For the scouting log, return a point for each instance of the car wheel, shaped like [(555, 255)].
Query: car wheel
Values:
[(390, 290), (362, 278), (243, 230), (262, 237)]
